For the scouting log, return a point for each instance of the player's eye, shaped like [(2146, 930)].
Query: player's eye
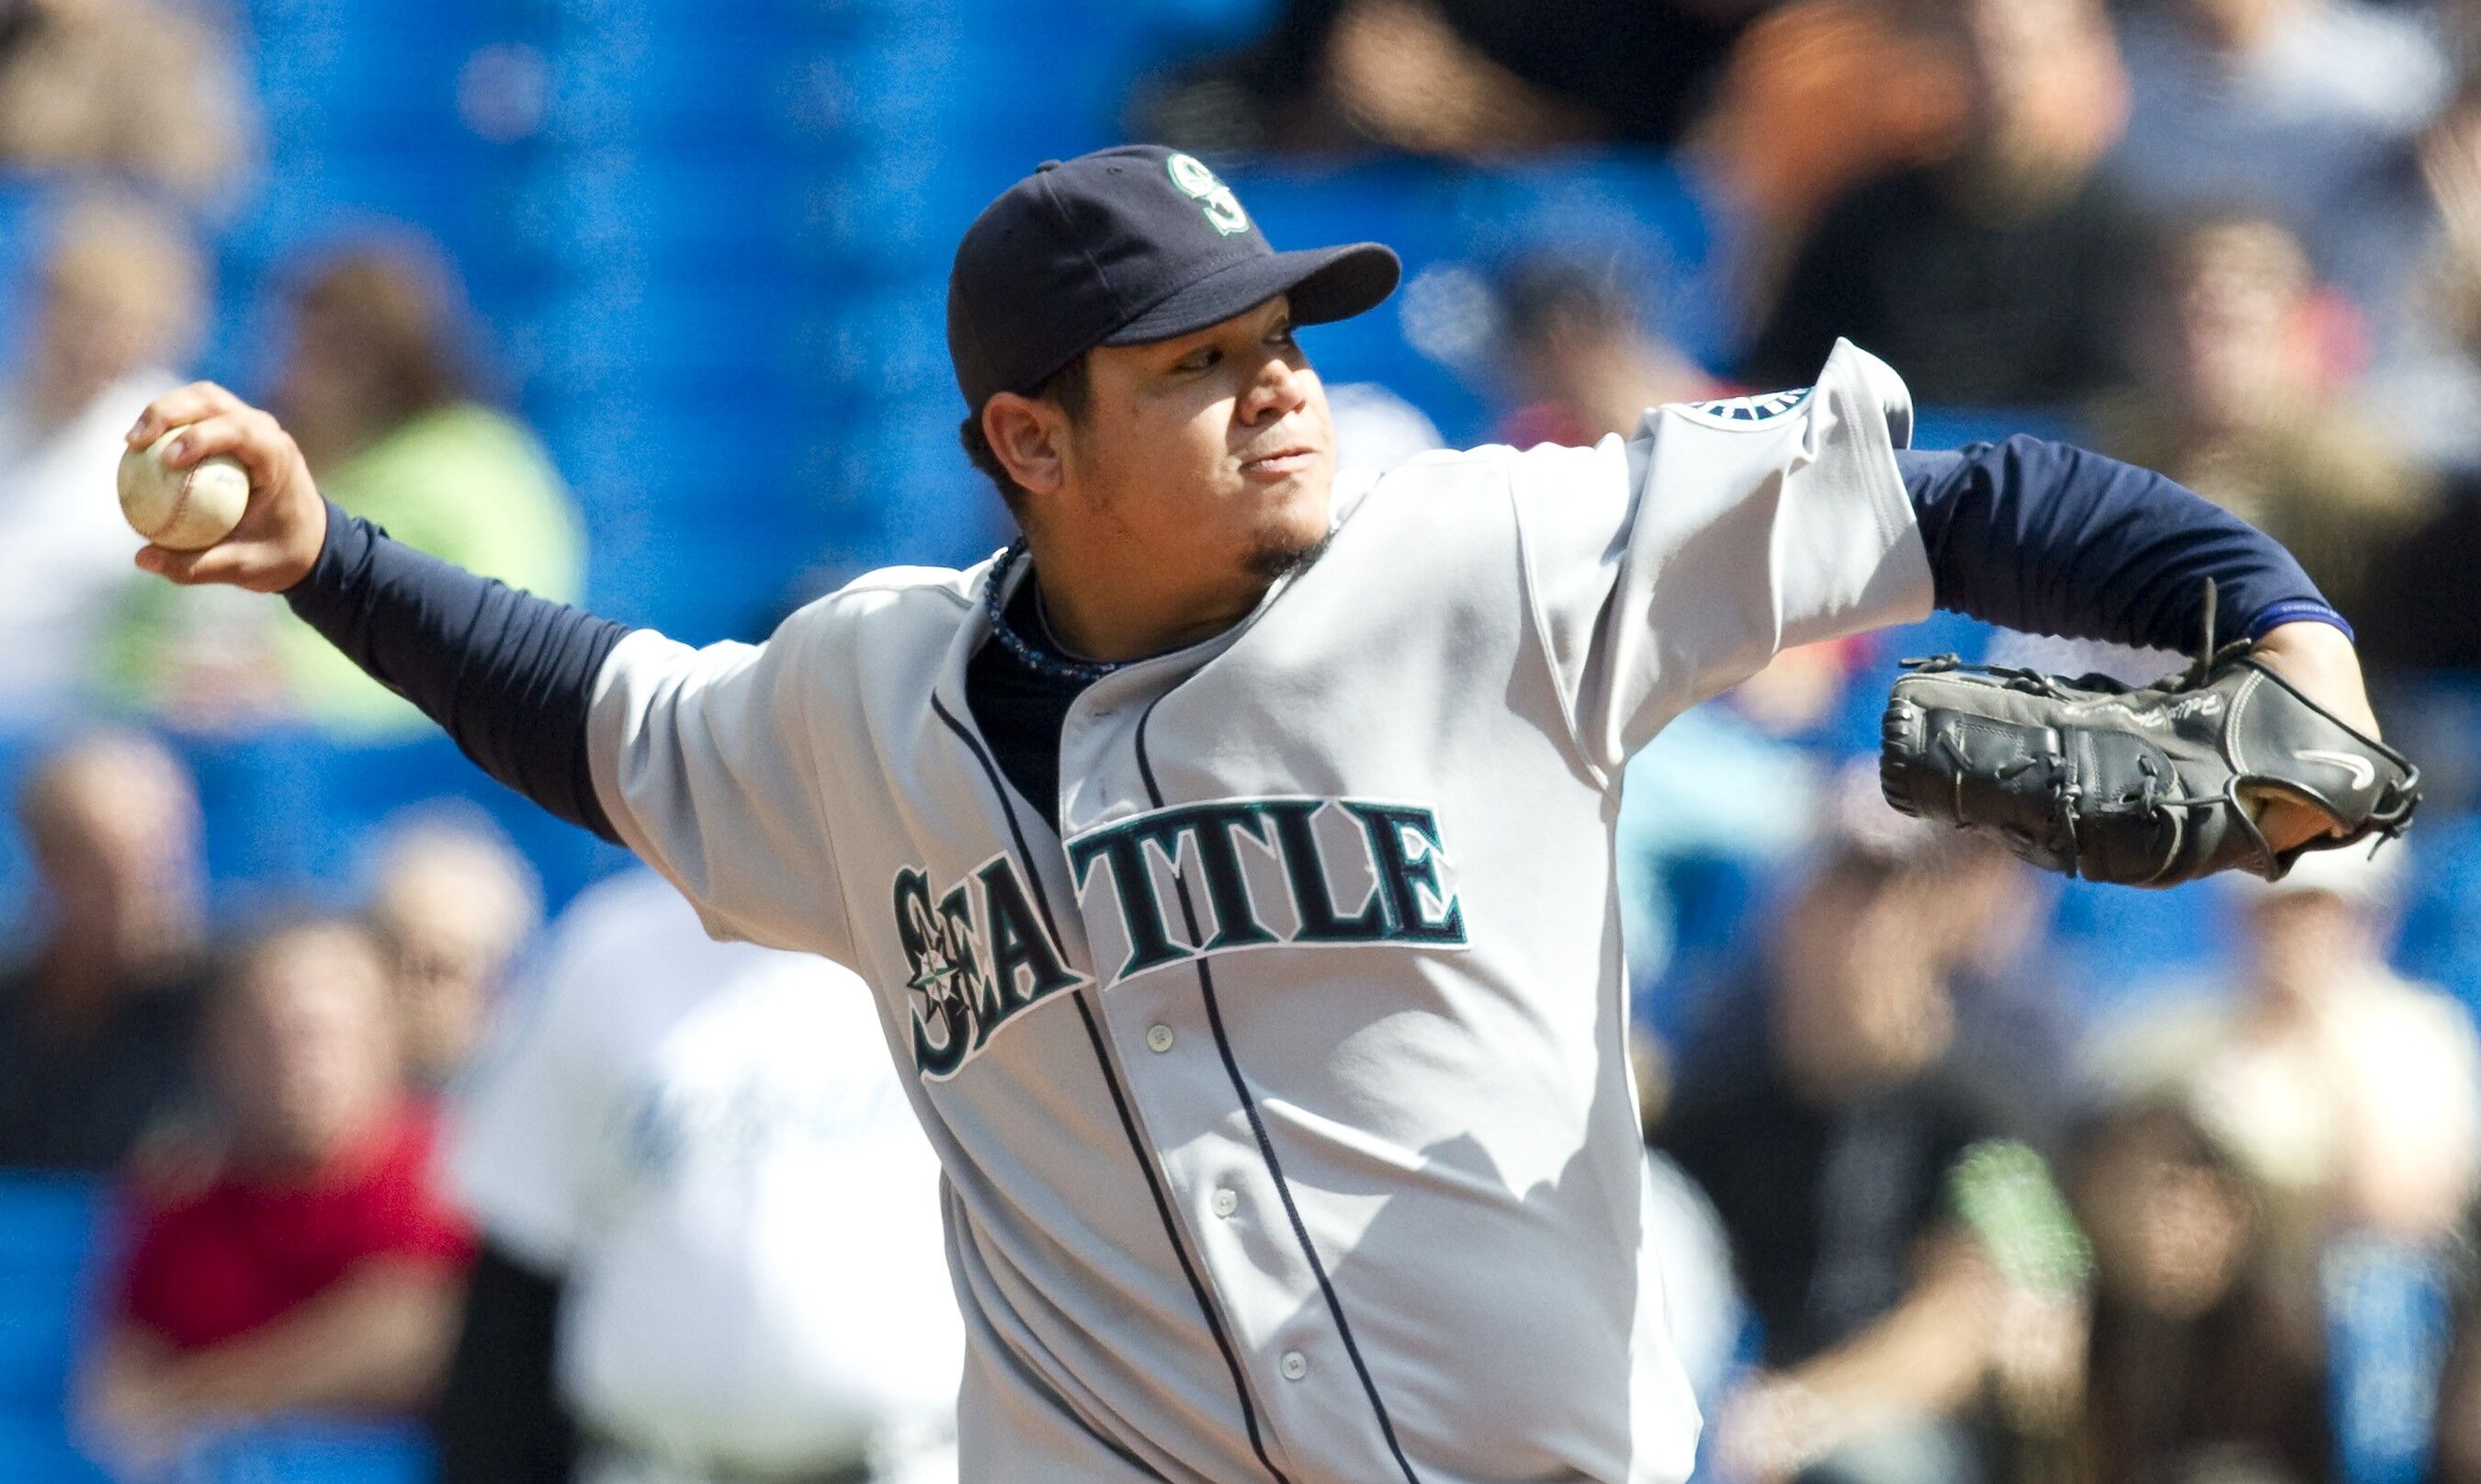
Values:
[(1281, 335), (1200, 359)]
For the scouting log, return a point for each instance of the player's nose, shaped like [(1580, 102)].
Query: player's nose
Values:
[(1279, 387)]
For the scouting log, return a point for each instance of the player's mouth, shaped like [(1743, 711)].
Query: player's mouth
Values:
[(1281, 464)]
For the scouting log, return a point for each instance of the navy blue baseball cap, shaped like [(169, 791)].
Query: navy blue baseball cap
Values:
[(1124, 246)]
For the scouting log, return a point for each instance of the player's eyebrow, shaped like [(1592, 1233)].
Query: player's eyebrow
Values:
[(1277, 318)]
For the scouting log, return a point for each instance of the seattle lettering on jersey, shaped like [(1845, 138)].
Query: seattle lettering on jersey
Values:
[(1258, 873), (1181, 883), (980, 955)]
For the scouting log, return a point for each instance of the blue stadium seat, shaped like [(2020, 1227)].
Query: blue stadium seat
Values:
[(291, 816), (2440, 940), (23, 198), (34, 1449), (308, 1451), (49, 1229), (2114, 945)]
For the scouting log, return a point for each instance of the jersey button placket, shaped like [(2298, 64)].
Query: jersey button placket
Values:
[(1294, 1364)]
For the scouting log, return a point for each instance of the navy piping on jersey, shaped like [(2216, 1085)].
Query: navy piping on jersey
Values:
[(1258, 1126), (1128, 1123)]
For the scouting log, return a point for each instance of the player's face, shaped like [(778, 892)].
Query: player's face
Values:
[(1213, 449), (303, 1052)]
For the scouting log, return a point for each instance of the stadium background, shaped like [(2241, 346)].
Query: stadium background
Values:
[(706, 243)]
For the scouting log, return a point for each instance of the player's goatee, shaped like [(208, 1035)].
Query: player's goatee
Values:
[(1275, 559)]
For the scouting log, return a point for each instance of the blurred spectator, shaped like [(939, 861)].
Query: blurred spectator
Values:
[(1901, 1250), (117, 297), (312, 1267), (2414, 272), (378, 389), (1994, 276), (2195, 1373), (380, 393), (711, 1239), (1817, 96), (2350, 1100), (1690, 1255), (452, 904), (2282, 106), (2232, 399), (1455, 77), (97, 1023), (1576, 353), (128, 88), (2342, 1086)]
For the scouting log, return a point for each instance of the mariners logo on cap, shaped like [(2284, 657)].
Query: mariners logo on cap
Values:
[(1200, 184)]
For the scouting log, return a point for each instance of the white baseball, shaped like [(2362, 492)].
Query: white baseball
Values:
[(181, 509)]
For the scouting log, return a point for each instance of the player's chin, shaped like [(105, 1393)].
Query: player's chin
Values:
[(1285, 556), (1291, 540)]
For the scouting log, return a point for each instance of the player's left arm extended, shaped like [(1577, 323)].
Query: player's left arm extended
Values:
[(2051, 538)]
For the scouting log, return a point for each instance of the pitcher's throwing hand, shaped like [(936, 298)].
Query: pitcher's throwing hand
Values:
[(281, 533)]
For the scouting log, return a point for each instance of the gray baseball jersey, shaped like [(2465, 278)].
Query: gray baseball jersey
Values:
[(1282, 1097)]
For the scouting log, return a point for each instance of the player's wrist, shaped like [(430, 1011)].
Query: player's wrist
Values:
[(2318, 660), (317, 534), (2292, 611)]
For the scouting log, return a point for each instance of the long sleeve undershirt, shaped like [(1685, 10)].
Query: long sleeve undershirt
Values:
[(2052, 538), (2028, 533), (504, 673)]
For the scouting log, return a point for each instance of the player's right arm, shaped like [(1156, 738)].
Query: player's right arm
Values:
[(509, 676), (708, 775)]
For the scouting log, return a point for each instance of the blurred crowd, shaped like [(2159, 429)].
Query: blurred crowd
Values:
[(2235, 239), (602, 1200)]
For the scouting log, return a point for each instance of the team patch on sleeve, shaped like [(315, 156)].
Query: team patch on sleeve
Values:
[(1745, 412)]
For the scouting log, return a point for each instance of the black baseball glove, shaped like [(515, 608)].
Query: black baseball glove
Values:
[(2141, 786)]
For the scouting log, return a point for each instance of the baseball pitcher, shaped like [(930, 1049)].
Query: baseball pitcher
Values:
[(1231, 856)]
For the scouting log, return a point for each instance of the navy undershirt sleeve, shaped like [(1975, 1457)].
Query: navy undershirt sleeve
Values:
[(2052, 538), (509, 675)]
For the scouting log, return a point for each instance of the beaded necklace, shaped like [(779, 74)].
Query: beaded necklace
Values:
[(1031, 655)]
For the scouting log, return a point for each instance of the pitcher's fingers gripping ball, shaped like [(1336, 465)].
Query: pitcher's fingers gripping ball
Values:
[(256, 518), (181, 509), (2141, 787)]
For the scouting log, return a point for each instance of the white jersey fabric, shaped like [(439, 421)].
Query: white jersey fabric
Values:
[(1283, 1097), (707, 1142)]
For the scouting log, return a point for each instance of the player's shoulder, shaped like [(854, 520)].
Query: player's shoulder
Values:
[(928, 590), (1475, 498), (1433, 482), (895, 608)]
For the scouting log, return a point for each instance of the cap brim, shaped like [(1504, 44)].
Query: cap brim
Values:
[(1325, 284)]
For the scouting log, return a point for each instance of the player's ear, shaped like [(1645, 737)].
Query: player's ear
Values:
[(1028, 437)]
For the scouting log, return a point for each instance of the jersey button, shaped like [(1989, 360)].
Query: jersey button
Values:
[(1159, 1038), (1226, 1203), (1294, 1365)]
